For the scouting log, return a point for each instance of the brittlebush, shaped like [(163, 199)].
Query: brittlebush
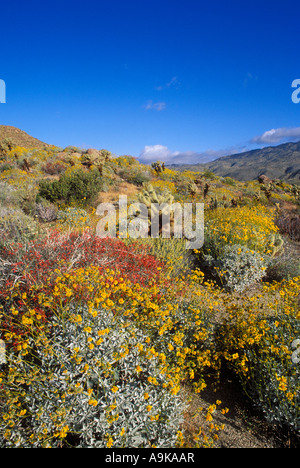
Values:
[(256, 339)]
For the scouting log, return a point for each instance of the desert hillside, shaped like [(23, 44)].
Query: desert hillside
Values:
[(20, 138)]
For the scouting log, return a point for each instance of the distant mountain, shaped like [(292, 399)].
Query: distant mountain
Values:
[(276, 162), (20, 138)]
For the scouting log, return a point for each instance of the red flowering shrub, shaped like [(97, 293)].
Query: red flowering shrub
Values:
[(37, 263), (28, 273)]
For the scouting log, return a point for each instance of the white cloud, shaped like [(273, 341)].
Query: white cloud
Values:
[(278, 134), (249, 78), (174, 82), (162, 153), (154, 153), (158, 106)]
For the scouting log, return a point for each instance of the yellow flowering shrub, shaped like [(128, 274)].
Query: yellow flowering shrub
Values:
[(248, 226), (164, 185), (92, 386), (167, 341), (257, 339)]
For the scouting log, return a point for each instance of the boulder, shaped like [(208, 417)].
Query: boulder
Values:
[(263, 179)]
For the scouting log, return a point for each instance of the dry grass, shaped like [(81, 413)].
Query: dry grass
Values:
[(112, 196)]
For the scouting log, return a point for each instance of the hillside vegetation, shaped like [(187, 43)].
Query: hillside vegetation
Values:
[(100, 338), (20, 138)]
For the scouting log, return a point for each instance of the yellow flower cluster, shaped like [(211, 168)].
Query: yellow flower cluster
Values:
[(249, 226)]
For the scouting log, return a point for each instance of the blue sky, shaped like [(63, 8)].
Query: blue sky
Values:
[(183, 81)]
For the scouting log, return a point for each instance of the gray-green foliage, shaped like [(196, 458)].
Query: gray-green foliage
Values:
[(238, 267), (283, 268), (89, 387), (172, 252), (16, 226), (10, 195), (45, 211), (73, 218)]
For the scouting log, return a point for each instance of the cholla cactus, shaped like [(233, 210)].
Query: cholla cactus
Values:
[(150, 197), (6, 145), (95, 158), (295, 190), (192, 188), (157, 167), (267, 189), (276, 245)]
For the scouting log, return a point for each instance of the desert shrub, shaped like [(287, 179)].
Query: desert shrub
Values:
[(5, 167), (125, 161), (87, 380), (163, 185), (230, 181), (79, 186), (209, 175), (238, 267), (17, 177), (54, 167), (171, 252), (74, 218), (30, 269), (167, 175), (9, 195), (256, 339), (28, 195), (6, 146), (290, 224), (16, 226), (251, 227), (135, 174), (283, 268), (238, 242), (45, 211)]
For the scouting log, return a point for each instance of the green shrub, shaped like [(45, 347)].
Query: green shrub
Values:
[(80, 187), (135, 175), (5, 167)]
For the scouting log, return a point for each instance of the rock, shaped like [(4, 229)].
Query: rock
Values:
[(93, 152), (263, 179)]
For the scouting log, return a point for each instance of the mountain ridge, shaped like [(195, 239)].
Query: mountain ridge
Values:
[(276, 162)]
